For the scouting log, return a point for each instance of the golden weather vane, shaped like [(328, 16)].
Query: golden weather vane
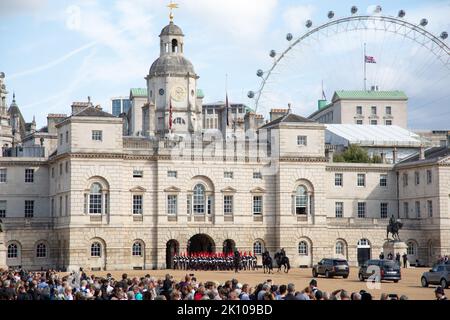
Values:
[(172, 6)]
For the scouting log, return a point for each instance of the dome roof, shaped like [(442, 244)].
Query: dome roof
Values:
[(173, 64), (171, 30)]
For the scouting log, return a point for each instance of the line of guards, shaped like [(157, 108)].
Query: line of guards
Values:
[(214, 262)]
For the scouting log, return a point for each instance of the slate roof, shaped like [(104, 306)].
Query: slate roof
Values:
[(93, 112), (369, 95), (435, 153), (288, 118), (171, 30)]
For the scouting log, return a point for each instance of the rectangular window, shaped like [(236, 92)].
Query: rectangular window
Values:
[(373, 122), (29, 175), (384, 210), (53, 208), (60, 206), (137, 204), (97, 135), (3, 175), (61, 139), (430, 208), (228, 175), (189, 205), (361, 209), (388, 122), (3, 205), (172, 174), (405, 179), (361, 180), (359, 110), (67, 167), (374, 110), (29, 208), (228, 205), (172, 205), (302, 140), (417, 178), (338, 179), (209, 205), (339, 209), (406, 209), (60, 169), (388, 110), (53, 172), (429, 177), (359, 122), (67, 136), (138, 174), (257, 205), (418, 209), (66, 206), (257, 175), (383, 180), (95, 203)]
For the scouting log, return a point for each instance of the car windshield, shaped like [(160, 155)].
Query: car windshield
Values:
[(340, 262)]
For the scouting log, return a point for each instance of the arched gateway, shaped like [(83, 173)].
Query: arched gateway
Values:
[(172, 248), (201, 243)]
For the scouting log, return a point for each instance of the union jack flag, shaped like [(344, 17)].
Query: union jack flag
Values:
[(370, 59)]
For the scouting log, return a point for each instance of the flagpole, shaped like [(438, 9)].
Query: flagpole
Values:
[(365, 69)]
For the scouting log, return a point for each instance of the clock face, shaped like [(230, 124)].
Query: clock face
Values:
[(178, 93), (161, 92)]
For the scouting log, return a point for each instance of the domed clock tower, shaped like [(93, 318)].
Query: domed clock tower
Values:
[(172, 81)]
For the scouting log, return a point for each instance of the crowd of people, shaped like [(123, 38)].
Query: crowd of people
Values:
[(50, 285)]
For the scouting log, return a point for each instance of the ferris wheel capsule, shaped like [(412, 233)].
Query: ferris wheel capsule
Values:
[(401, 13), (308, 24), (423, 22), (260, 73), (330, 14), (444, 35), (251, 94), (378, 9), (273, 53), (354, 9), (289, 37)]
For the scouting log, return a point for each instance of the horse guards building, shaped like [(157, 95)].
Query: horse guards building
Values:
[(174, 175)]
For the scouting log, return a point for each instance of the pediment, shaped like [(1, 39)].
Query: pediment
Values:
[(138, 190), (258, 190), (172, 189), (229, 190)]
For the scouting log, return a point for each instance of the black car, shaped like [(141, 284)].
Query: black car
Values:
[(379, 270), (331, 267)]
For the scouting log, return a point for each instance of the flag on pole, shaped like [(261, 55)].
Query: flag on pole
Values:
[(370, 59), (170, 115), (227, 106)]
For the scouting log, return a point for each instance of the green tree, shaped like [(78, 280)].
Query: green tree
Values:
[(356, 154)]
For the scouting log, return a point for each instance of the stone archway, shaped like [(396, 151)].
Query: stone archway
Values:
[(201, 243), (229, 246), (172, 248)]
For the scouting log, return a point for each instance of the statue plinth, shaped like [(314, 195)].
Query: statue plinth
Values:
[(394, 247), (3, 252)]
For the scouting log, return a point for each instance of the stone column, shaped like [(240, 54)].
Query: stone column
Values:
[(3, 251)]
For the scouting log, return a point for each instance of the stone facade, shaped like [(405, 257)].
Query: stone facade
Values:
[(100, 199)]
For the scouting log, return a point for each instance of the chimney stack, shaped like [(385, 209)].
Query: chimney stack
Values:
[(394, 155), (422, 153), (250, 121)]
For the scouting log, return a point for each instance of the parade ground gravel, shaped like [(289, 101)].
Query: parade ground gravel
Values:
[(409, 285)]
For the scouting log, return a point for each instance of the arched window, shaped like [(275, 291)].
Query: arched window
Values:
[(96, 249), (258, 247), (199, 199), (13, 251), (137, 249), (95, 199), (340, 248), (303, 248), (174, 46), (41, 250), (364, 243), (411, 250), (301, 201)]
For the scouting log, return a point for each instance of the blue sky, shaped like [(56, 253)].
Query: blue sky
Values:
[(55, 52)]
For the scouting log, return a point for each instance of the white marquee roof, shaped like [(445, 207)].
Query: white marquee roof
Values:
[(371, 135)]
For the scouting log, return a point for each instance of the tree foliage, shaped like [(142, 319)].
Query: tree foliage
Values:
[(356, 154)]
